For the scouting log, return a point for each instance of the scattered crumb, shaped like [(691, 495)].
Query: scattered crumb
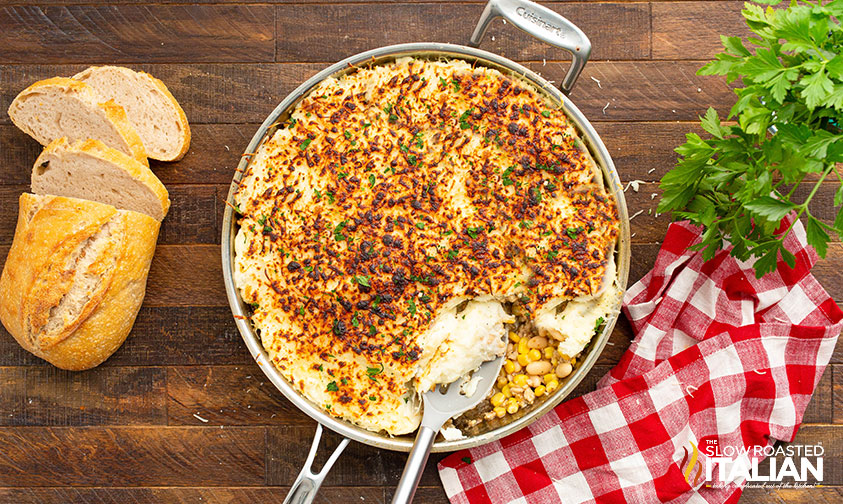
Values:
[(604, 108), (634, 184), (653, 195), (699, 90), (597, 81), (493, 38), (632, 235), (690, 389), (504, 22), (203, 420), (651, 170), (636, 214), (544, 62), (226, 148), (673, 110)]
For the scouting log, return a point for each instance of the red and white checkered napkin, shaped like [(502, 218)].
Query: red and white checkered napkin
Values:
[(719, 356)]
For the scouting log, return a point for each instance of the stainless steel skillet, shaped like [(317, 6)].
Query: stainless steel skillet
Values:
[(545, 25)]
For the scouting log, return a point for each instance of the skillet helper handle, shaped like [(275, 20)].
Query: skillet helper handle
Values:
[(415, 466), (542, 23), (307, 483)]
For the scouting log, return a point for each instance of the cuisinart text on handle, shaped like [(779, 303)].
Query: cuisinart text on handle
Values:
[(536, 19)]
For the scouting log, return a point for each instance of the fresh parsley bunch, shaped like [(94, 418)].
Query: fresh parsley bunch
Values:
[(738, 184)]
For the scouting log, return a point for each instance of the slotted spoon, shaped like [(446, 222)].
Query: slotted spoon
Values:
[(440, 404)]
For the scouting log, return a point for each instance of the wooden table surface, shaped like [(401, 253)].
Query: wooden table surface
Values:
[(129, 431)]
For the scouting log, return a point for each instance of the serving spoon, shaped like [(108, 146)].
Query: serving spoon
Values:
[(440, 404)]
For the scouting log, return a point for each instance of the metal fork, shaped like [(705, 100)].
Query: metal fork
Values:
[(440, 404)]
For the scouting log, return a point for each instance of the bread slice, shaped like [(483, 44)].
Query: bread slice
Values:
[(88, 169), (57, 107), (75, 278), (150, 107)]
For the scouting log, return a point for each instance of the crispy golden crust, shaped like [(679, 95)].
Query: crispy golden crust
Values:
[(117, 116), (400, 190), (38, 273)]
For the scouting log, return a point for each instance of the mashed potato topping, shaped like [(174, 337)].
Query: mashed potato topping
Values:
[(387, 227)]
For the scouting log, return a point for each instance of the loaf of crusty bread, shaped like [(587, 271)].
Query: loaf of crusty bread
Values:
[(57, 107), (88, 169), (150, 107), (75, 278)]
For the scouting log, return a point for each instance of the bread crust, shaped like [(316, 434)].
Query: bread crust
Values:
[(98, 149), (39, 270), (113, 112), (181, 117)]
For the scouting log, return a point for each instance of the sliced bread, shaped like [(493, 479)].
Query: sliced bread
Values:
[(88, 169), (57, 107), (75, 278), (150, 107)]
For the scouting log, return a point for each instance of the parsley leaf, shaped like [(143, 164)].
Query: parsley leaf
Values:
[(332, 387), (785, 131)]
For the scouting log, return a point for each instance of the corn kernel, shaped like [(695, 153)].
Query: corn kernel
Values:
[(511, 402), (548, 353), (505, 391), (549, 377), (551, 386), (512, 409), (500, 411), (498, 399), (514, 337), (509, 366), (540, 390), (522, 347), (523, 359), (554, 361), (502, 381), (520, 380), (535, 354)]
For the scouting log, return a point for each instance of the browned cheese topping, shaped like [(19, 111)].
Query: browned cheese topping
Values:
[(397, 191)]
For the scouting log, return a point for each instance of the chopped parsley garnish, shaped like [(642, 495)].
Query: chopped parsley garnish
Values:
[(456, 83), (372, 330), (305, 143), (573, 232), (362, 280), (332, 387), (525, 224), (505, 176), (354, 321), (443, 82), (473, 232), (371, 180), (552, 254), (338, 236), (403, 147), (546, 113), (420, 225), (412, 304), (464, 124), (412, 159), (599, 323), (452, 254), (347, 134), (344, 381), (374, 371), (373, 398), (467, 460), (418, 139)]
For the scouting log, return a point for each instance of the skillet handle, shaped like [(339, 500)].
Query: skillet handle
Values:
[(307, 483), (542, 23), (415, 466)]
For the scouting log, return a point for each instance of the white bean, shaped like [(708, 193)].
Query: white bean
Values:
[(537, 342), (564, 369), (540, 367)]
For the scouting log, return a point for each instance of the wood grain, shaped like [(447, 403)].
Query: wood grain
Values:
[(369, 26), (700, 23), (44, 395), (209, 93), (287, 448), (836, 372), (227, 395), (247, 93), (175, 495), (131, 456), (137, 33)]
